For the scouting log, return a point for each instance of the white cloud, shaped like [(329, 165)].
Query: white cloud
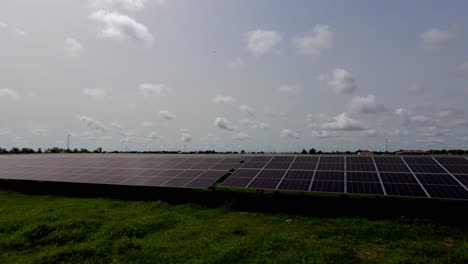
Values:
[(40, 131), (166, 115), (154, 136), (415, 89), (343, 122), (365, 105), (131, 5), (247, 109), (401, 132), (3, 24), (115, 25), (434, 131), (186, 137), (261, 42), (321, 40), (223, 99), (421, 120), (237, 63), (240, 136), (463, 69), (290, 89), (436, 37), (150, 89), (371, 133), (95, 93), (288, 133), (147, 124), (21, 33), (116, 126), (223, 123), (72, 47), (92, 124), (264, 126), (7, 92), (342, 81), (324, 133)]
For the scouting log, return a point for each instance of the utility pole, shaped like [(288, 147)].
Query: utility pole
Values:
[(68, 141), (386, 145)]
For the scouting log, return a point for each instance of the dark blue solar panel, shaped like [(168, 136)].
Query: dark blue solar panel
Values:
[(364, 187), (295, 185), (399, 189), (328, 186)]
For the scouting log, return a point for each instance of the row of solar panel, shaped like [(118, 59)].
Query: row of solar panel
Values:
[(399, 184), (456, 165), (163, 178)]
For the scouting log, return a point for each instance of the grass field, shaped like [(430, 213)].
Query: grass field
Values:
[(58, 229)]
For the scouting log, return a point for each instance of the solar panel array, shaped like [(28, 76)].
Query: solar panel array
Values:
[(440, 177), (429, 177), (164, 171)]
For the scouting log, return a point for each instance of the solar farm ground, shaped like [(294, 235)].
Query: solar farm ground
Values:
[(59, 229)]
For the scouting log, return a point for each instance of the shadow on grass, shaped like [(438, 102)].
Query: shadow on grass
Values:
[(310, 204)]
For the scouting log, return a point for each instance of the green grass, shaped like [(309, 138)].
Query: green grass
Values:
[(57, 229)]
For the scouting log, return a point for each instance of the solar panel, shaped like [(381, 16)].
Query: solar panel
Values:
[(402, 189), (444, 177), (447, 191), (398, 178), (364, 187), (329, 176), (437, 179), (362, 177), (328, 186), (295, 185)]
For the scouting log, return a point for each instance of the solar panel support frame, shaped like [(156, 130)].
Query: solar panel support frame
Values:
[(286, 172), (345, 178), (451, 175), (417, 179), (378, 175), (313, 176)]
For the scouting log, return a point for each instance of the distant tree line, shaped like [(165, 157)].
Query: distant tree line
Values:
[(312, 151)]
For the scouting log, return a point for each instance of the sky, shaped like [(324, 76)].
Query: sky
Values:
[(265, 75)]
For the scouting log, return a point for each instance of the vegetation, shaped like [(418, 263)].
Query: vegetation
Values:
[(57, 229), (304, 151)]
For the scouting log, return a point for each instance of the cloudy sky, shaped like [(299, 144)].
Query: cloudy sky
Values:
[(230, 75)]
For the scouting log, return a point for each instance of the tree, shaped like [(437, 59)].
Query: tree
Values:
[(304, 151), (312, 151), (242, 152)]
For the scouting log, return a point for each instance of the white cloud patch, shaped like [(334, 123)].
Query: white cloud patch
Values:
[(115, 25), (264, 126), (341, 81), (247, 110), (365, 105), (223, 99), (72, 47), (95, 93), (415, 89), (237, 63), (343, 122), (261, 42), (151, 89), (131, 5), (288, 133), (463, 69), (116, 126), (147, 124), (436, 37), (166, 115), (154, 136), (434, 131), (240, 136), (92, 124), (21, 33), (372, 133), (290, 89), (40, 131), (3, 24), (315, 44), (12, 94), (324, 133), (186, 137), (223, 123)]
